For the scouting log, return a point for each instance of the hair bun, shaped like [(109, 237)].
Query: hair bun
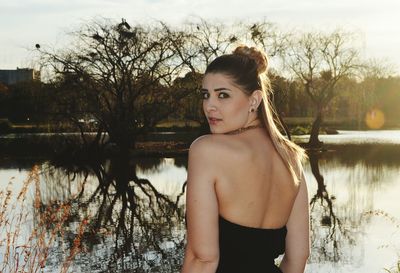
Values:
[(254, 53)]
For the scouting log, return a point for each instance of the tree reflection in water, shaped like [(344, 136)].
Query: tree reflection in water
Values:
[(133, 227), (355, 173), (328, 233), (137, 227)]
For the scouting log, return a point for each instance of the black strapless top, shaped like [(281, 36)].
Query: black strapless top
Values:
[(245, 249)]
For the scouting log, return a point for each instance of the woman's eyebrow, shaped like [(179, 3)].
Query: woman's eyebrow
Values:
[(217, 89)]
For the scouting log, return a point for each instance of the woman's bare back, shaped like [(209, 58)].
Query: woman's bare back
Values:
[(254, 187)]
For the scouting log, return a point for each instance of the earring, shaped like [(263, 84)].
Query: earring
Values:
[(252, 110)]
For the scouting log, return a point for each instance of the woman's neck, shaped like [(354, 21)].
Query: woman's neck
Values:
[(243, 129)]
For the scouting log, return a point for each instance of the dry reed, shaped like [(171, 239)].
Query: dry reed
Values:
[(28, 252)]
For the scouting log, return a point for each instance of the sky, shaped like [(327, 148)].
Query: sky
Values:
[(23, 23)]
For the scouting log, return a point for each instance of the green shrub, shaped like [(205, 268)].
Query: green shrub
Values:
[(300, 130)]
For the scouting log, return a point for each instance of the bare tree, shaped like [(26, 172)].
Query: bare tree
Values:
[(266, 36), (319, 60), (205, 41), (123, 74), (202, 41)]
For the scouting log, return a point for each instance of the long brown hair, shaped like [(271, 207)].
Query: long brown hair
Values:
[(247, 66)]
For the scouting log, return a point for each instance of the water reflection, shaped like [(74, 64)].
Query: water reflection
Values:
[(141, 227), (345, 184), (328, 231), (135, 209)]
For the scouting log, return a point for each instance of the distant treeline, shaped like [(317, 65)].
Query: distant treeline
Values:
[(36, 102), (124, 80)]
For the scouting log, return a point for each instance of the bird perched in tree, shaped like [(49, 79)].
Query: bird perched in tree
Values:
[(126, 24), (97, 37)]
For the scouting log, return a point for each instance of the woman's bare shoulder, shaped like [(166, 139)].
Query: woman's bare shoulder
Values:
[(207, 154), (211, 143)]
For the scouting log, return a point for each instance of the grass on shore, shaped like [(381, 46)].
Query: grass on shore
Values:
[(28, 251)]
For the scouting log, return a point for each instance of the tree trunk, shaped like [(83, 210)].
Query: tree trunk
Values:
[(121, 172), (314, 142), (317, 174)]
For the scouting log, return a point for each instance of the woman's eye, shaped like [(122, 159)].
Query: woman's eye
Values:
[(204, 95), (223, 95)]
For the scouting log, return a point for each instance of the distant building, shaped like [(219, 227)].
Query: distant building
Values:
[(9, 77)]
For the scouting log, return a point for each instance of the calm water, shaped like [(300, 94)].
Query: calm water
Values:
[(358, 137), (135, 209)]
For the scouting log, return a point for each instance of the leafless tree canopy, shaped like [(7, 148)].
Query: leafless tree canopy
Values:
[(319, 60), (131, 77)]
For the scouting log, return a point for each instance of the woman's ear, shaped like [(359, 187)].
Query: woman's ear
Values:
[(256, 98)]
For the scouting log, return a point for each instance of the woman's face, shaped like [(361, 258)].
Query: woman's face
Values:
[(225, 105)]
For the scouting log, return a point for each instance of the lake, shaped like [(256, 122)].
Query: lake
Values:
[(118, 216)]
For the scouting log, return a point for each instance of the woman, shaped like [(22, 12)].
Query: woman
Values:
[(246, 197)]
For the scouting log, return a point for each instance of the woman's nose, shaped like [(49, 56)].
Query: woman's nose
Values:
[(210, 106)]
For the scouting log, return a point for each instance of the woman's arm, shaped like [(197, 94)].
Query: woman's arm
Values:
[(297, 247), (202, 249)]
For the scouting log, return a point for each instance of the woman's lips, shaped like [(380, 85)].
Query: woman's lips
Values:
[(213, 121)]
